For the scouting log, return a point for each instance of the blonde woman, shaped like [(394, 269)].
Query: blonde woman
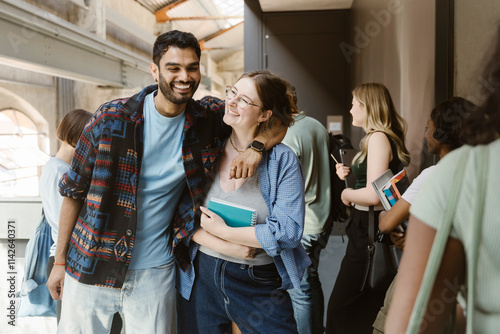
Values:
[(352, 308)]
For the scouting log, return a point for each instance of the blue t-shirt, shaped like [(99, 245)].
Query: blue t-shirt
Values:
[(161, 183)]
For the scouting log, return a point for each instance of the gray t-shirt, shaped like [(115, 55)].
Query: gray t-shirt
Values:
[(248, 195)]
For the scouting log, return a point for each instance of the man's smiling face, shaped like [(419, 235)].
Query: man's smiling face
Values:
[(178, 74)]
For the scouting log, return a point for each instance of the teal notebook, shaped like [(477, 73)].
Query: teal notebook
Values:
[(233, 214)]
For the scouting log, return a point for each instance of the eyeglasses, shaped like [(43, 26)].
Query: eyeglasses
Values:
[(241, 101)]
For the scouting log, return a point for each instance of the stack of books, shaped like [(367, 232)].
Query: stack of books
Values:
[(234, 215), (389, 187)]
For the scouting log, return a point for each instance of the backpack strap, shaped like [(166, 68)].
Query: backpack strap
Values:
[(442, 234), (369, 250), (438, 247), (482, 164)]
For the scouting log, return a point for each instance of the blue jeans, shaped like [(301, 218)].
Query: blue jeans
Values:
[(308, 301), (145, 303), (225, 291)]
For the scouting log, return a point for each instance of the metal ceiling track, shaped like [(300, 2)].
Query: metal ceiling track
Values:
[(35, 40)]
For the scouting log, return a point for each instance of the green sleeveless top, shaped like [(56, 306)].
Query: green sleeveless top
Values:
[(359, 168)]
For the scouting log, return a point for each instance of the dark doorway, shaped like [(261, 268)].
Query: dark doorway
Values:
[(304, 48)]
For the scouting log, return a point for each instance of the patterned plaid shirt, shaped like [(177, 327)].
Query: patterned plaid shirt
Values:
[(105, 172)]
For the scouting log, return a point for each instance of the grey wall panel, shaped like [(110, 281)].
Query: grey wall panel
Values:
[(253, 35), (394, 44), (304, 48)]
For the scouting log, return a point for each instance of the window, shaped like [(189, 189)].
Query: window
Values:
[(20, 155)]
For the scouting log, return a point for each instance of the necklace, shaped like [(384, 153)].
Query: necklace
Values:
[(232, 144)]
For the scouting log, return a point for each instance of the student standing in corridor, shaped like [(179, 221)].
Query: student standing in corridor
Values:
[(352, 308), (135, 182)]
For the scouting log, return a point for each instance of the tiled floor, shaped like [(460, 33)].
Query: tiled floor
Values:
[(329, 264)]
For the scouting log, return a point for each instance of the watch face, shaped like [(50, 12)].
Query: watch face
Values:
[(257, 145)]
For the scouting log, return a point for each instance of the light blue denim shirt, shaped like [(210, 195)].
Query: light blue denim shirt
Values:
[(282, 186)]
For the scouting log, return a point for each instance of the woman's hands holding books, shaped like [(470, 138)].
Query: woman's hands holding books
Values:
[(216, 226), (225, 247), (212, 223)]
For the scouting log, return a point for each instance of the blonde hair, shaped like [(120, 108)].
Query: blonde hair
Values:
[(381, 116)]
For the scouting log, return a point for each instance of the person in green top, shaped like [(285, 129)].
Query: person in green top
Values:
[(352, 308), (310, 141), (482, 131)]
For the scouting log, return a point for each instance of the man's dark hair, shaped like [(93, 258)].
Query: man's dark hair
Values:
[(176, 38), (448, 118)]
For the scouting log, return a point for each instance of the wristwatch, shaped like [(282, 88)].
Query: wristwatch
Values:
[(257, 146)]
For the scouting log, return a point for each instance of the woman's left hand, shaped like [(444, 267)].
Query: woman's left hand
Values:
[(212, 222)]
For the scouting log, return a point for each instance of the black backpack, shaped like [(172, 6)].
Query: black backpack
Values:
[(339, 212)]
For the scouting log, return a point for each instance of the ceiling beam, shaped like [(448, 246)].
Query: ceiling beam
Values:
[(41, 42), (81, 3), (161, 14), (223, 48), (303, 5), (218, 33), (121, 22), (203, 18)]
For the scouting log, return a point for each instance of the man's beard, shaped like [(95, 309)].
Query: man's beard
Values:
[(169, 94)]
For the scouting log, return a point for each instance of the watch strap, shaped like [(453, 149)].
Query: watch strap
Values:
[(257, 146)]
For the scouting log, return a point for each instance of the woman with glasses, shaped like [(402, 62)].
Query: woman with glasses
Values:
[(241, 274)]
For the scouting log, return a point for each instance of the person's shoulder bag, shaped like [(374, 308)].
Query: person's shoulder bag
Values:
[(382, 259), (35, 299)]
